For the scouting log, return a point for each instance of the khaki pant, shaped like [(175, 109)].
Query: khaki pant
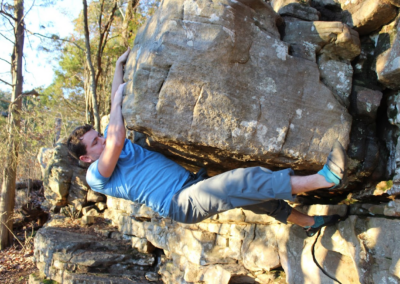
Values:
[(257, 189)]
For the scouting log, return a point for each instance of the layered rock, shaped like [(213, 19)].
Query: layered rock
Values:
[(365, 16), (77, 257), (295, 8), (334, 39), (218, 84), (213, 83), (238, 243), (64, 180), (388, 61)]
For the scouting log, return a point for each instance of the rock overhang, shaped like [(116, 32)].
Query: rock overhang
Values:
[(216, 76)]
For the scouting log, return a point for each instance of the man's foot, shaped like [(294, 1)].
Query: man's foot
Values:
[(334, 170), (321, 221)]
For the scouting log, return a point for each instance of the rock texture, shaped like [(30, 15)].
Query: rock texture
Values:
[(78, 257), (335, 39), (238, 243), (212, 77), (226, 84), (295, 8), (365, 16), (388, 62), (65, 180)]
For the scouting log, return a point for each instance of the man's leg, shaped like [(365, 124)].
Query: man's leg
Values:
[(333, 174), (300, 219), (284, 213), (249, 186), (308, 183)]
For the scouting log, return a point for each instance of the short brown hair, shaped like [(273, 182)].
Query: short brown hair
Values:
[(75, 145)]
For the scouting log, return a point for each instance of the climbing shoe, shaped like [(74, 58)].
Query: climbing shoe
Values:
[(335, 168), (321, 221)]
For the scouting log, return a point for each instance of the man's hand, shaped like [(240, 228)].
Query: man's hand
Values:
[(122, 59), (119, 74)]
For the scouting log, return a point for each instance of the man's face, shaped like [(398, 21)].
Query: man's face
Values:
[(95, 144)]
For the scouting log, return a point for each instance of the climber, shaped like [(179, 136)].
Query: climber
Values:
[(122, 169)]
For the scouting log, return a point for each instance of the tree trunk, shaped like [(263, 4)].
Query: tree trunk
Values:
[(86, 87), (58, 123), (91, 70), (126, 32), (7, 197)]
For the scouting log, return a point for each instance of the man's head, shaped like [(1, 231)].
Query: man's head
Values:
[(86, 144)]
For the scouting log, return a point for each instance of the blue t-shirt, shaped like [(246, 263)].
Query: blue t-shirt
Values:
[(142, 176)]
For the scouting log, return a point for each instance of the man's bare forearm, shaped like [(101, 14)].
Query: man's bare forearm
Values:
[(115, 136), (116, 129), (118, 78)]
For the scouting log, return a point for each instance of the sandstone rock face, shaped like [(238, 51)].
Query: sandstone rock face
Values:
[(73, 257), (338, 77), (394, 118), (295, 8), (334, 39), (365, 16), (43, 158), (65, 180), (388, 62), (227, 247), (215, 77)]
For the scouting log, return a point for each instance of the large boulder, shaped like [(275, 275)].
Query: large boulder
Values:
[(213, 83)]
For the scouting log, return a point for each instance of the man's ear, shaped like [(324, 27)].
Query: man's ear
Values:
[(85, 158)]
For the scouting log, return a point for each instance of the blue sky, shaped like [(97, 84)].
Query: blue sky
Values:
[(38, 69)]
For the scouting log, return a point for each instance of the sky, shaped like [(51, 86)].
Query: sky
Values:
[(38, 67)]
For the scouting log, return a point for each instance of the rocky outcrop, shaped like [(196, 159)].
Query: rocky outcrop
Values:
[(65, 179), (295, 8), (209, 81), (81, 257), (365, 16), (226, 84), (388, 61), (238, 243)]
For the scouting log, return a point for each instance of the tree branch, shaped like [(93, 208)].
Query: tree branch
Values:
[(8, 19), (103, 39), (7, 38), (7, 14), (55, 38), (7, 101), (26, 94), (5, 61), (7, 83), (25, 14)]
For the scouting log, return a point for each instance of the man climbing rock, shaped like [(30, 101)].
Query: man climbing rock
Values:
[(122, 169)]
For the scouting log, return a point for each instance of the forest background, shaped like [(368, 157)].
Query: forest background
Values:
[(81, 86)]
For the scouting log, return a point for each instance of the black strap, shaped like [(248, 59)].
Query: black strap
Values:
[(316, 262)]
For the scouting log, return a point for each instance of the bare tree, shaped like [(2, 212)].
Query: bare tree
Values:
[(91, 69), (103, 38), (7, 197), (130, 11)]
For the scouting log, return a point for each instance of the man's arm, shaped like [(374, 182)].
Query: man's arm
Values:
[(119, 73), (116, 128), (115, 136)]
